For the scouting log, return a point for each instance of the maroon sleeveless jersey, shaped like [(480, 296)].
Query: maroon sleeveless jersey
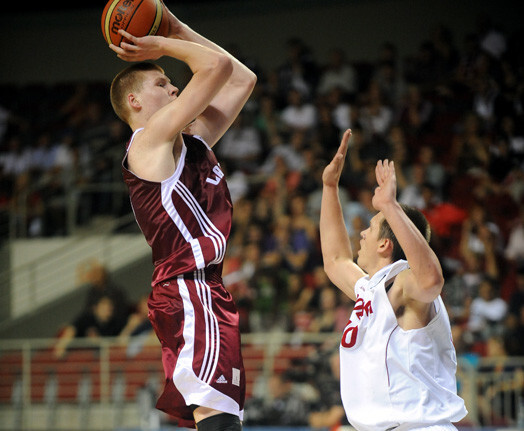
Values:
[(186, 219)]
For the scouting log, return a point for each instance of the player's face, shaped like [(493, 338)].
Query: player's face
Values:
[(369, 243), (157, 91)]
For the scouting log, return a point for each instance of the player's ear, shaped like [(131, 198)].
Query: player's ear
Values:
[(133, 101), (385, 247)]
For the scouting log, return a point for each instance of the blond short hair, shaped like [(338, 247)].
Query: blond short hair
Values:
[(128, 81)]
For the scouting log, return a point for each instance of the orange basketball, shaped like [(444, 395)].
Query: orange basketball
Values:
[(138, 17)]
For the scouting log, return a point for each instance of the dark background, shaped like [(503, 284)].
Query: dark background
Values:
[(53, 6)]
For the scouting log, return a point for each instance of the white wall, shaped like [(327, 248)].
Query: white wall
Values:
[(45, 269)]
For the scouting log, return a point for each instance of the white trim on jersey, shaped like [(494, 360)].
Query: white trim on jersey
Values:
[(167, 187), (212, 331), (201, 139), (185, 358), (197, 253), (197, 389), (208, 228)]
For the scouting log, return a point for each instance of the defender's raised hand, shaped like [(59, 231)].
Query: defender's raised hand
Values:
[(386, 191), (332, 172)]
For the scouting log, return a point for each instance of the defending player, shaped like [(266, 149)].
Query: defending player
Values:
[(182, 204), (397, 359)]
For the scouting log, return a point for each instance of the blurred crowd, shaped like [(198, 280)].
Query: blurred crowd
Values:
[(451, 116)]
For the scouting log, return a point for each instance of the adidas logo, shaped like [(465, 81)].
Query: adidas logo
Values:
[(221, 379)]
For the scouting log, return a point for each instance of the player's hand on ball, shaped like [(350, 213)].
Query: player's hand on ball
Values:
[(138, 48)]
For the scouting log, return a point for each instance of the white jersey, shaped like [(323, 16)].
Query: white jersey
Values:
[(393, 378)]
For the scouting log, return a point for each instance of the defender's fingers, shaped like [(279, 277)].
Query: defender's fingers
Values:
[(346, 136), (378, 175), (344, 143)]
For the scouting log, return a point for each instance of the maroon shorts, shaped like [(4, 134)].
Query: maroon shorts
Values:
[(196, 322)]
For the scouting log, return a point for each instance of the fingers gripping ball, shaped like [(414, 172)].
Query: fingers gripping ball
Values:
[(138, 17)]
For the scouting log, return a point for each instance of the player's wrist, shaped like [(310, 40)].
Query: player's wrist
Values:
[(389, 207), (176, 27), (330, 188), (179, 30)]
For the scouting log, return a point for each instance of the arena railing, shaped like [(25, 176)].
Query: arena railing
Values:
[(112, 384)]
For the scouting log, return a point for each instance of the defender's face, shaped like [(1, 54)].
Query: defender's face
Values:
[(369, 243)]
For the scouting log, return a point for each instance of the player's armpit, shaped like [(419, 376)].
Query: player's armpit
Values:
[(413, 290), (344, 274)]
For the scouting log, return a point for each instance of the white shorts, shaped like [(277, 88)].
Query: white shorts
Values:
[(437, 427)]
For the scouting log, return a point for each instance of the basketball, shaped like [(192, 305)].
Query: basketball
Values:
[(138, 17)]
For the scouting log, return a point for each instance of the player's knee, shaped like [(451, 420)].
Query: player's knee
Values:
[(220, 422)]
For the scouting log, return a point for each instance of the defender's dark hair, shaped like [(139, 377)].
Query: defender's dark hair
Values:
[(420, 222)]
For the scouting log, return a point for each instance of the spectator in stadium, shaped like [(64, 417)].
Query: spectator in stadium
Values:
[(137, 331), (93, 275), (286, 152), (338, 73), (241, 146), (469, 148), (502, 386), (327, 411), (375, 116), (487, 312), (283, 407), (514, 250), (324, 318), (267, 120), (299, 70), (412, 193), (480, 240), (415, 112), (98, 321), (299, 114)]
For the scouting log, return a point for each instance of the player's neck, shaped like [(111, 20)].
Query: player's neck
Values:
[(135, 124), (380, 264)]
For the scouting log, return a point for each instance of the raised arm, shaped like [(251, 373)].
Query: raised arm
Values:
[(211, 71), (424, 281), (213, 122), (158, 108), (336, 248)]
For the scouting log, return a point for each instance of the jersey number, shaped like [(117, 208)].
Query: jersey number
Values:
[(361, 308), (350, 336), (219, 175)]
